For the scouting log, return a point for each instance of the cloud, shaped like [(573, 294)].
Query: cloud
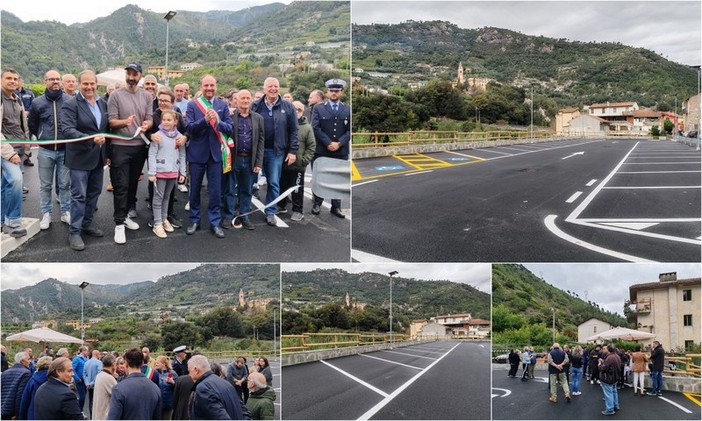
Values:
[(19, 275)]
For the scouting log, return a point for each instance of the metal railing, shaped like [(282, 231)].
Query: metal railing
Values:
[(379, 139), (319, 341)]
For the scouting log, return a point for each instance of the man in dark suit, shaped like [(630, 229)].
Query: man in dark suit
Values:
[(209, 124), (248, 157), (54, 399), (83, 115), (331, 123), (136, 397)]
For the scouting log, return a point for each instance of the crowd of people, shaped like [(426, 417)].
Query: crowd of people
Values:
[(609, 367), (134, 386), (234, 140)]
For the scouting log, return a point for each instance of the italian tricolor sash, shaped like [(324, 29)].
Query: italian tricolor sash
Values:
[(225, 142)]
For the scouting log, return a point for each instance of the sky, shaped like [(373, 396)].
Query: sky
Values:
[(607, 284), (474, 274), (670, 28), (85, 11), (19, 275)]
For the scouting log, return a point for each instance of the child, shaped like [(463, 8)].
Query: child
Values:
[(166, 166)]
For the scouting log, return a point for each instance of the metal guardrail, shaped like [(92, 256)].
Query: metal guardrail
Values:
[(319, 341), (378, 139), (693, 142)]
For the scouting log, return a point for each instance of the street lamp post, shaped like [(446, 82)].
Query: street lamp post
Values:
[(393, 273), (82, 326), (531, 126), (553, 311), (168, 18)]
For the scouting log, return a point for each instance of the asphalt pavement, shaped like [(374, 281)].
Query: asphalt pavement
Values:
[(317, 238), (577, 200), (438, 380), (513, 399)]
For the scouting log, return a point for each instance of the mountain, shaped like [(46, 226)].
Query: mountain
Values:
[(133, 34), (204, 286), (411, 297), (570, 72), (518, 291)]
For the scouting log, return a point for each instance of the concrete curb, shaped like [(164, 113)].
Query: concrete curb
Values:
[(10, 243)]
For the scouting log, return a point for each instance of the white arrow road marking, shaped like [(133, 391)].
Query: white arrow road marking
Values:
[(577, 153), (631, 225)]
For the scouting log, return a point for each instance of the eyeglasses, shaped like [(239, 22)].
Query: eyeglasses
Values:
[(164, 101)]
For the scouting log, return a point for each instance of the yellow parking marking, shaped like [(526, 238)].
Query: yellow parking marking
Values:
[(422, 162), (692, 396), (355, 175), (469, 156)]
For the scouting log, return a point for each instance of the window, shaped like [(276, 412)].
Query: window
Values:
[(687, 320), (594, 329), (687, 295), (689, 345)]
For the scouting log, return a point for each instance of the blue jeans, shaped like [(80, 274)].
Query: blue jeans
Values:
[(611, 396), (656, 381), (214, 185), (575, 375), (272, 166), (48, 162), (244, 177), (86, 187), (11, 193), (228, 202)]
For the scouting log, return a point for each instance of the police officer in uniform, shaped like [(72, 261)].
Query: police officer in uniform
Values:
[(180, 360), (331, 123)]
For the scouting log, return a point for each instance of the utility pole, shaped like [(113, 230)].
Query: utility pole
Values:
[(393, 273)]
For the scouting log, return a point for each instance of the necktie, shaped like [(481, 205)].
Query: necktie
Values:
[(335, 107)]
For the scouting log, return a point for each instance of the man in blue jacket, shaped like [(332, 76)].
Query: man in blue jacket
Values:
[(209, 126), (54, 399), (78, 364), (280, 144), (214, 398), (43, 122), (14, 379), (135, 397)]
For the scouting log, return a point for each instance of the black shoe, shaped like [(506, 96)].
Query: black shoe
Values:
[(75, 242), (177, 223), (28, 163), (607, 413), (226, 224), (281, 211), (336, 212), (247, 224), (315, 209), (192, 228), (93, 232), (218, 232)]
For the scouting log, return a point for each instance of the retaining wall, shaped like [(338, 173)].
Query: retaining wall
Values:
[(324, 354)]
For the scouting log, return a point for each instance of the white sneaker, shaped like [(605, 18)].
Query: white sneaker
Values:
[(187, 206), (45, 221), (130, 224), (183, 188), (120, 237), (66, 217)]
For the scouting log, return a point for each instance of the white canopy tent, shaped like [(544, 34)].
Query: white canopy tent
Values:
[(621, 333), (44, 334), (114, 76)]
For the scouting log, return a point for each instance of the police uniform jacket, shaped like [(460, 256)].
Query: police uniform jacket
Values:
[(330, 126)]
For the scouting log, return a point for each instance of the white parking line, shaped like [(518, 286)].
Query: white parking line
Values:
[(661, 163), (363, 257), (550, 222), (676, 404), (657, 172), (409, 355), (390, 361), (419, 172), (365, 182), (380, 405), (351, 376), (591, 182), (575, 195), (649, 187), (493, 151)]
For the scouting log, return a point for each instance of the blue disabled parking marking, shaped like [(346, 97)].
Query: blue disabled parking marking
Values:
[(389, 168), (458, 158)]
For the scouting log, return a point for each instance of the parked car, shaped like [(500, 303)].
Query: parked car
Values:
[(501, 359), (692, 134)]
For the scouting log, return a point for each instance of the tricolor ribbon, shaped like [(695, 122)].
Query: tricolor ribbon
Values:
[(64, 141), (225, 142)]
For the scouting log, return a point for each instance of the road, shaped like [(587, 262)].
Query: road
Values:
[(513, 399), (321, 238), (438, 380), (578, 200)]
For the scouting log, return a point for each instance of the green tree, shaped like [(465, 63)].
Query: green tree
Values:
[(223, 321), (174, 334), (668, 126)]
